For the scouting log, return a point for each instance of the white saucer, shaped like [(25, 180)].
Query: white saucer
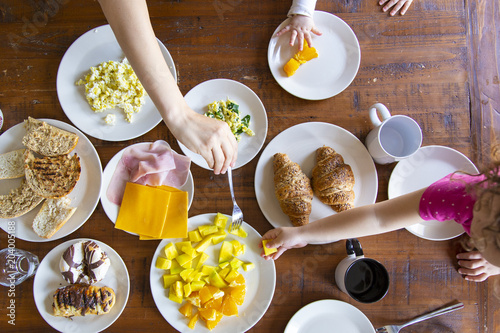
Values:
[(426, 166), (329, 316), (322, 77)]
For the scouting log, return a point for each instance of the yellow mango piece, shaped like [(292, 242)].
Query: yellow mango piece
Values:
[(218, 237), (231, 276), (173, 296), (236, 263), (248, 266), (186, 309), (180, 245), (204, 244), (192, 321), (163, 263), (220, 221), (200, 260), (291, 67), (184, 260), (223, 273), (175, 268), (239, 232), (207, 269), (226, 251), (268, 251), (143, 210), (187, 289), (170, 251), (224, 264), (194, 236), (189, 251), (238, 248), (178, 287), (197, 285), (217, 281), (206, 230), (170, 279), (186, 273)]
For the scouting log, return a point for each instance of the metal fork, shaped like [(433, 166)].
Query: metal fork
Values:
[(397, 328), (237, 218)]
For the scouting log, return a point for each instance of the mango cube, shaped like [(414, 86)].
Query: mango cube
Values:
[(195, 236), (231, 276), (207, 270), (217, 281), (180, 245), (163, 263), (268, 251), (187, 289), (186, 273), (240, 232), (170, 279), (170, 251), (236, 263), (200, 260), (184, 260), (197, 285), (226, 251), (173, 296), (238, 248), (220, 220), (248, 266), (218, 237), (203, 244), (206, 230), (175, 268)]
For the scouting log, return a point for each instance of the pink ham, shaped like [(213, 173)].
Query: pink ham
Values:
[(148, 164)]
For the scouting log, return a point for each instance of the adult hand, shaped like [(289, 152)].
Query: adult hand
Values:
[(301, 27), (402, 5), (282, 239), (475, 267), (211, 138)]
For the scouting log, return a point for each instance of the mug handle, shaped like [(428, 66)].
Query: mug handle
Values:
[(384, 112), (353, 247)]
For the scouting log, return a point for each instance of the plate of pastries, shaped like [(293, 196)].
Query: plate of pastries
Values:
[(81, 285), (313, 170), (51, 179)]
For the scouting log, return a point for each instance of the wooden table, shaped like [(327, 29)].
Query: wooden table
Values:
[(435, 64)]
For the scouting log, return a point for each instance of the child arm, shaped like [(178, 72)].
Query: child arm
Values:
[(208, 137), (301, 23), (362, 221)]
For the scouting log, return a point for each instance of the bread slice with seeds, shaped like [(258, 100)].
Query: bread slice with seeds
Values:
[(52, 177), (48, 140)]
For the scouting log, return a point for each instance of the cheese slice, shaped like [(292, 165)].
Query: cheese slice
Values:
[(143, 210), (175, 224)]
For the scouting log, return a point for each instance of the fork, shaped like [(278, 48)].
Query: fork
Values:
[(397, 328), (237, 218)]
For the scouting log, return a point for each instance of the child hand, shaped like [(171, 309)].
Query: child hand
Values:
[(475, 267), (301, 27), (282, 239), (398, 4)]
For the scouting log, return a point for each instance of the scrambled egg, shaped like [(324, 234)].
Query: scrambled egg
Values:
[(110, 119), (114, 84), (228, 111)]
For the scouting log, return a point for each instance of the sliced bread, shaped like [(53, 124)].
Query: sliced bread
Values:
[(18, 202), (12, 164), (48, 140), (52, 177), (52, 216)]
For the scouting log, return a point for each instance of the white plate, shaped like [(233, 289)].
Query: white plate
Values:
[(85, 195), (329, 316), (89, 50), (207, 92), (110, 208), (260, 284), (322, 77), (48, 278), (300, 143), (426, 166)]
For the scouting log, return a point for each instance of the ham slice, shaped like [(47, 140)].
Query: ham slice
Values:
[(148, 164)]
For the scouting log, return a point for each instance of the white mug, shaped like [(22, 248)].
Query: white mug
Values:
[(364, 279), (394, 137)]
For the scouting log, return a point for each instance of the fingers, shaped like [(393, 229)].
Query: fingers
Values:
[(470, 255), (315, 31), (292, 37), (396, 9), (308, 38), (477, 278), (282, 31), (406, 6), (219, 159)]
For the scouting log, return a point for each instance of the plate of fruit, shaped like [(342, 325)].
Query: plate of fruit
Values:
[(212, 280)]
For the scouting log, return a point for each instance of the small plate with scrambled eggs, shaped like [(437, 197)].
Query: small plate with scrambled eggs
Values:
[(99, 91), (237, 105)]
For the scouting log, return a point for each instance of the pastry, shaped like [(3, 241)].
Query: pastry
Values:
[(82, 299), (84, 262), (292, 189), (333, 180)]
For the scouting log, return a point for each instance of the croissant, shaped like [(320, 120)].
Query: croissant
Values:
[(82, 299), (333, 180), (292, 189)]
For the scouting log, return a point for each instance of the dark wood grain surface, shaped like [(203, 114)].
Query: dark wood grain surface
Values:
[(437, 64)]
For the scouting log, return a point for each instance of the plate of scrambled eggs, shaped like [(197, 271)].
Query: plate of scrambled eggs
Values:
[(237, 105), (99, 91)]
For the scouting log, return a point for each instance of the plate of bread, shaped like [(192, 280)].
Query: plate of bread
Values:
[(51, 179), (313, 170), (81, 285)]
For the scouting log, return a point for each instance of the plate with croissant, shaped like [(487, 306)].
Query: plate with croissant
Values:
[(81, 285), (313, 170)]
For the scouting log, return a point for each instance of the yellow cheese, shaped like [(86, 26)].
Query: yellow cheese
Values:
[(175, 222), (143, 210)]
